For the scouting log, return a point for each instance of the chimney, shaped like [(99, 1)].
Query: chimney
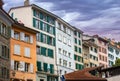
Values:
[(26, 3), (1, 4)]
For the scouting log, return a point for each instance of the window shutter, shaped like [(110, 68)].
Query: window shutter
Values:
[(41, 37), (31, 39), (48, 40), (43, 51), (41, 16), (39, 66), (22, 66), (54, 43), (48, 18), (22, 36), (54, 30), (45, 67), (34, 22), (50, 53), (48, 28), (31, 68), (34, 13), (12, 64), (41, 25), (51, 68), (79, 58), (12, 33)]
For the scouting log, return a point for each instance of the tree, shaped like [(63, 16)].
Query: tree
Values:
[(117, 62)]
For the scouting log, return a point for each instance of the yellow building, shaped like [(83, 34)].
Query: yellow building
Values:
[(90, 53), (23, 53)]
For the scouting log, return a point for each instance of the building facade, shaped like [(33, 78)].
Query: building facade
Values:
[(64, 47), (78, 50), (102, 50), (90, 53), (113, 52), (44, 22), (5, 26), (23, 53)]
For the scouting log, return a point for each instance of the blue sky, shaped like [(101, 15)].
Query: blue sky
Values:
[(100, 17)]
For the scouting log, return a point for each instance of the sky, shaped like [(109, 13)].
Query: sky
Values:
[(93, 17)]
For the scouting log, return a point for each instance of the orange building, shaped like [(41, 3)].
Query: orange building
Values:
[(23, 53)]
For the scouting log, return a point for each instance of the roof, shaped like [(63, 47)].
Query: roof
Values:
[(83, 75), (100, 38), (51, 14)]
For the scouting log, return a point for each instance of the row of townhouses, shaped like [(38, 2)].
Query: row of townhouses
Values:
[(37, 45)]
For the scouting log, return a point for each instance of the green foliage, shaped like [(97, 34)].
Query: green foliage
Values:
[(117, 62)]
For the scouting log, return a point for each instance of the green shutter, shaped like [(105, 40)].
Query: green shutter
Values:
[(48, 18), (50, 53), (79, 42), (41, 25), (51, 68), (79, 35), (39, 66), (54, 42), (48, 40), (34, 21), (75, 48), (75, 41), (41, 16), (41, 37), (43, 51), (45, 67), (74, 57), (48, 28), (54, 30), (79, 50), (34, 13), (79, 58)]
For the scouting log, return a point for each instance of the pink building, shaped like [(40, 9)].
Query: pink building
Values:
[(102, 52)]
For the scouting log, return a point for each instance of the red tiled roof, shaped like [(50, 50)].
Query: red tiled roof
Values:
[(83, 75)]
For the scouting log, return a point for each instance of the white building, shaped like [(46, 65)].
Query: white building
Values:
[(113, 53), (64, 47)]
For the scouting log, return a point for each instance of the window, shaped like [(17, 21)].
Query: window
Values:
[(44, 38), (38, 36), (91, 48), (64, 52), (79, 42), (27, 52), (65, 63), (75, 41), (60, 61), (79, 50), (69, 55), (5, 51), (4, 72), (65, 72), (50, 53), (95, 50), (39, 67), (16, 35), (38, 50), (27, 38), (50, 29), (60, 51), (16, 65), (44, 26), (64, 29), (64, 40), (75, 33), (49, 40), (59, 37), (17, 49), (43, 51), (69, 64), (69, 42), (75, 48), (59, 26), (27, 67), (3, 28), (79, 35), (117, 52)]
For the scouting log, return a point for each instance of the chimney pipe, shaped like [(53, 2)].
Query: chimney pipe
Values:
[(26, 3), (1, 4)]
